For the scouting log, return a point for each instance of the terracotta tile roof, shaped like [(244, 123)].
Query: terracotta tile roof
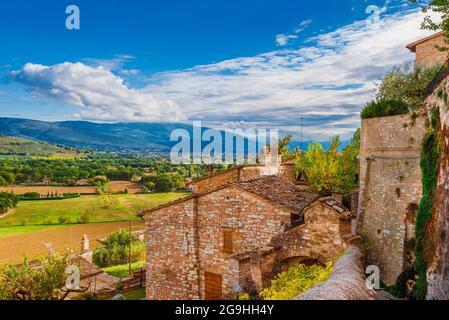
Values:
[(261, 251), (280, 192), (342, 211), (412, 46), (87, 269)]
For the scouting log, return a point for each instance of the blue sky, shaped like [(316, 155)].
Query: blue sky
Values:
[(228, 63)]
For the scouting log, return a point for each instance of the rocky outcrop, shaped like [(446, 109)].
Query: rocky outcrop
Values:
[(346, 282)]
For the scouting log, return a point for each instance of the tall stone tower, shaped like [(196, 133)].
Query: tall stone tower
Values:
[(390, 189)]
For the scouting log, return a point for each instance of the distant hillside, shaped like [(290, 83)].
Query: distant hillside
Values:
[(117, 137), (23, 147)]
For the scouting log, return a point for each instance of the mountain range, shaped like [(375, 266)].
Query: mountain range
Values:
[(108, 137)]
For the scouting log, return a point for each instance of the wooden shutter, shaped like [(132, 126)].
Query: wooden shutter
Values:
[(213, 286), (228, 241)]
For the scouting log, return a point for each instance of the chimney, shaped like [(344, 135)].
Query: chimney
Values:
[(85, 244)]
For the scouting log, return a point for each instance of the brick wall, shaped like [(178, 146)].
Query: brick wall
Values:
[(389, 183)]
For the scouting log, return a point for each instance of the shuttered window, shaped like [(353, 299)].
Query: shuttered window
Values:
[(228, 241)]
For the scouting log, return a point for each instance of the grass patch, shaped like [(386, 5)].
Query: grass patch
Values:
[(17, 230), (122, 270), (112, 208)]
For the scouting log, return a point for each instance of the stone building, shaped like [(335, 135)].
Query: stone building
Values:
[(390, 175), (264, 167), (236, 232), (426, 51), (390, 189)]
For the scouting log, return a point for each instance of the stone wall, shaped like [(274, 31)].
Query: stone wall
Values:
[(427, 54), (215, 181), (254, 220), (321, 237), (287, 173), (185, 240), (390, 184), (171, 252), (438, 271)]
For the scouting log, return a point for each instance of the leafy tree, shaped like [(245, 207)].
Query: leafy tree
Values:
[(442, 8), (331, 171), (7, 201), (321, 167), (27, 282), (349, 165), (115, 250), (283, 146), (406, 83)]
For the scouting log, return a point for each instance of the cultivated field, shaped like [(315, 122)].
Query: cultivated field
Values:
[(48, 213), (32, 244), (113, 186)]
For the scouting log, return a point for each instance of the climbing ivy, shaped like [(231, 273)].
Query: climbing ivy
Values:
[(430, 156), (429, 169)]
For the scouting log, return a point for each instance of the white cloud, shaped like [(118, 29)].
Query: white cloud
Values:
[(283, 39), (99, 93), (129, 72), (327, 82), (303, 26)]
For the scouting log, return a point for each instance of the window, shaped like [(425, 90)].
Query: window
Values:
[(228, 241)]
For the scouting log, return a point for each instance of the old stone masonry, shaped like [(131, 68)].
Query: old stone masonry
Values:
[(239, 229)]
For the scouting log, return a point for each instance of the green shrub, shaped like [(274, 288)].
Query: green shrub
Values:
[(85, 218), (62, 220), (295, 281), (32, 195), (122, 270), (383, 108), (115, 250), (244, 297), (7, 201)]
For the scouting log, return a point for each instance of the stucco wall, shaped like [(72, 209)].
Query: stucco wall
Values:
[(390, 182)]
